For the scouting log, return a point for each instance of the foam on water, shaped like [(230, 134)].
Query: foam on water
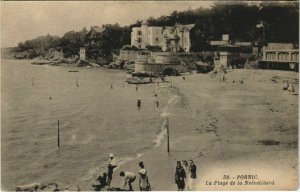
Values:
[(161, 135), (163, 131), (174, 100), (164, 112)]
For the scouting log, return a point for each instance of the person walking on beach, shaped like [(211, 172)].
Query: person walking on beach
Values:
[(139, 103), (136, 87), (128, 178), (111, 86), (110, 168), (180, 177), (187, 172), (193, 175), (157, 103)]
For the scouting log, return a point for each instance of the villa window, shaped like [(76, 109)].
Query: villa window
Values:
[(295, 56), (156, 39), (139, 33)]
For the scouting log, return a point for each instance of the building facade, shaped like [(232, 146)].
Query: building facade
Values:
[(282, 56), (155, 63), (82, 53), (176, 38)]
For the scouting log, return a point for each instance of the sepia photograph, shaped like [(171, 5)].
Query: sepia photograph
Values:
[(149, 95)]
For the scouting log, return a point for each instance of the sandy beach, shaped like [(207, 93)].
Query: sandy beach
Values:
[(226, 127)]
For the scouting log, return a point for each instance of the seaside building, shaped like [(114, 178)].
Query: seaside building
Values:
[(82, 53), (223, 42), (230, 51), (155, 63), (174, 38), (283, 56), (227, 53)]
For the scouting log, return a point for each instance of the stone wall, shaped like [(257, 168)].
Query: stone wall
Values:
[(129, 55)]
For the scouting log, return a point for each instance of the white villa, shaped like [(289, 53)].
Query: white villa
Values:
[(168, 38)]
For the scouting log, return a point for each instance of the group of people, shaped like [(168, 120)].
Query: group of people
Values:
[(127, 177), (185, 175)]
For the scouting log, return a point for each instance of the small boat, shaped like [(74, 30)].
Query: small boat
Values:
[(138, 80)]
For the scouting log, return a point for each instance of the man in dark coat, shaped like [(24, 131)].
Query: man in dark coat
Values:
[(180, 177)]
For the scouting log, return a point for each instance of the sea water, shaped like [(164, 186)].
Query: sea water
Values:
[(95, 120)]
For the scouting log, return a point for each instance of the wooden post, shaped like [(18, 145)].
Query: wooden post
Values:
[(58, 142), (32, 81), (168, 136)]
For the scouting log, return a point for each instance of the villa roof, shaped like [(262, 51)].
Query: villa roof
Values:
[(97, 29)]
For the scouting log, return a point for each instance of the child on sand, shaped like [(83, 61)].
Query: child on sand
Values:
[(128, 178), (102, 180)]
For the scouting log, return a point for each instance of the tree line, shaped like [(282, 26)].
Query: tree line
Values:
[(239, 20)]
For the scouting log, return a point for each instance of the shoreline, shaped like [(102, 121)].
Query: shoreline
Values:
[(220, 125)]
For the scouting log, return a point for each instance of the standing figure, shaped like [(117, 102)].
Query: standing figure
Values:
[(157, 104), (111, 86), (139, 103), (136, 87), (180, 177), (187, 172), (110, 168), (129, 177), (193, 175), (143, 178)]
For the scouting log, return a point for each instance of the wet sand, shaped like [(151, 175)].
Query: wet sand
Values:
[(220, 125)]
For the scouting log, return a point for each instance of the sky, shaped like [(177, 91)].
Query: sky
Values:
[(26, 20)]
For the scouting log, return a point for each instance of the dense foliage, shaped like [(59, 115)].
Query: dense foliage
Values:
[(239, 20), (113, 37)]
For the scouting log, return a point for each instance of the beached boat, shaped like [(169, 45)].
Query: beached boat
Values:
[(45, 62), (138, 80)]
